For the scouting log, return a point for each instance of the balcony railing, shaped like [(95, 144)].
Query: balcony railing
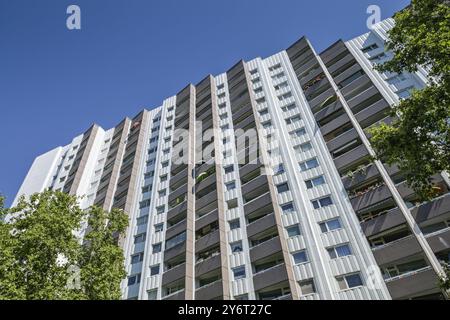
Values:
[(408, 274)]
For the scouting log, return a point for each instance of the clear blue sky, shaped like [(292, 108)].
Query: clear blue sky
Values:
[(131, 54)]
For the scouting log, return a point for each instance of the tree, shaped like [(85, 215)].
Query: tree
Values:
[(444, 281), (45, 256), (418, 139)]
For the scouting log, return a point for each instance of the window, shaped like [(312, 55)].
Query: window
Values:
[(279, 169), (304, 147), (160, 209), (220, 86), (288, 207), (142, 220), (231, 204), (323, 202), (256, 80), (139, 238), (137, 258), (349, 281), (222, 95), (263, 112), (176, 240), (239, 272), (266, 124), (370, 48), (162, 193), (156, 247), (166, 151), (132, 280), (258, 90), (163, 178), (275, 67), (236, 246), (282, 187), (154, 270), (293, 119), (285, 96), (229, 169), (315, 182), (226, 140), (339, 251), (223, 116), (222, 105), (234, 224), (152, 294), (241, 297), (230, 185), (148, 175), (254, 71), (330, 225), (165, 164), (289, 107), (159, 227), (293, 231), (299, 132), (278, 75), (309, 164), (281, 85), (405, 93), (307, 287), (300, 257), (225, 127), (377, 57), (260, 100)]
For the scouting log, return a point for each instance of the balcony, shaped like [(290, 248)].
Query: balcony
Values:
[(176, 229), (247, 123), (175, 251), (265, 249), (408, 246), (174, 274), (373, 113), (355, 85), (210, 291), (255, 188), (206, 219), (208, 181), (315, 103), (179, 295), (178, 193), (329, 113), (342, 140), (341, 64), (205, 266), (270, 277), (207, 241), (248, 171), (178, 180), (419, 282), (177, 213), (361, 99), (352, 158), (206, 203), (336, 125), (242, 113), (374, 195), (260, 225), (260, 203)]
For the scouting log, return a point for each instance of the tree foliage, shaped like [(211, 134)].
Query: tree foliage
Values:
[(44, 256), (418, 139)]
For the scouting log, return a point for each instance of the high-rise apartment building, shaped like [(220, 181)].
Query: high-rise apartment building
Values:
[(291, 206)]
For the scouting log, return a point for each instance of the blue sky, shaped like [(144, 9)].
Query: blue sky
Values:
[(131, 54)]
